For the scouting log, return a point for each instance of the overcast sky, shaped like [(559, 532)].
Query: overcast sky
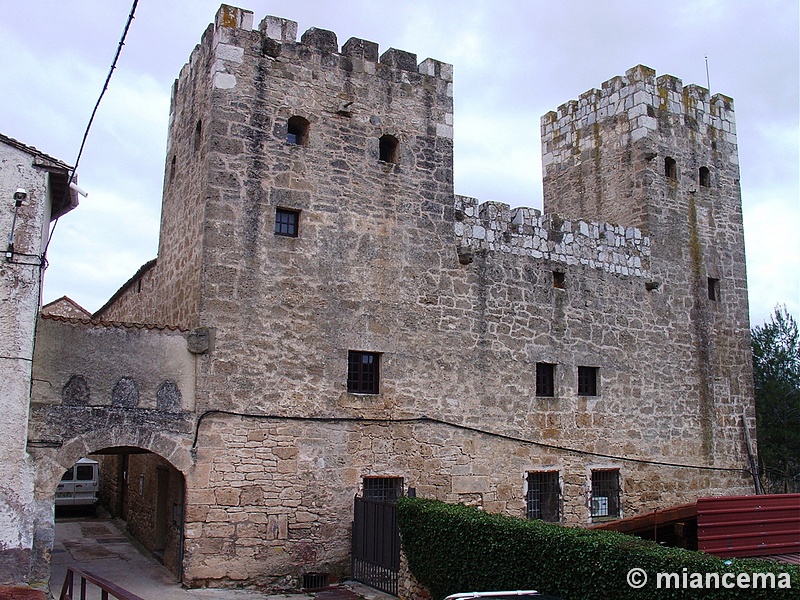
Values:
[(514, 61)]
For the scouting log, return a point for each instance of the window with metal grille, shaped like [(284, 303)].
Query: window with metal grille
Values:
[(545, 379), (605, 494), (587, 381), (386, 489), (286, 222), (543, 499), (363, 372)]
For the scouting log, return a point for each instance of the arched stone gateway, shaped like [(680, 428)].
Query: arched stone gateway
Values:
[(155, 463)]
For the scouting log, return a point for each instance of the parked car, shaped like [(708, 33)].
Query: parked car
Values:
[(79, 485)]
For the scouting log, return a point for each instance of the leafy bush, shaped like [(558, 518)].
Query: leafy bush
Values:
[(455, 548)]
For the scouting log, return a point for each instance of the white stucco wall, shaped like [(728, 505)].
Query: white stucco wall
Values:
[(20, 279)]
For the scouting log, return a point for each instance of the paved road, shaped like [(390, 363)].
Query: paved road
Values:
[(100, 546)]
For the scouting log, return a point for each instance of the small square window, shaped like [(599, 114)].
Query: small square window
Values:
[(605, 494), (363, 372), (297, 131), (558, 280), (587, 381), (286, 222), (545, 380), (385, 489), (713, 289), (543, 500)]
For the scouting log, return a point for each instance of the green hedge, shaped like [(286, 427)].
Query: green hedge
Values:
[(455, 548)]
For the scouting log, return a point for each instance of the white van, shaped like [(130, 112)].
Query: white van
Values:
[(79, 485)]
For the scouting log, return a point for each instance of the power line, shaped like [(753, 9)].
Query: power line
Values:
[(91, 118), (424, 419)]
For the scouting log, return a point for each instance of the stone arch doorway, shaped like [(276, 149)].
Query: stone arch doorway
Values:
[(142, 485)]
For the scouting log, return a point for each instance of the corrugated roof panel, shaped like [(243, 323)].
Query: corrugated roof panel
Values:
[(749, 525)]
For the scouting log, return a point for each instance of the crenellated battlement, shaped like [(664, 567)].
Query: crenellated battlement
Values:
[(642, 96), (496, 227), (621, 152), (357, 54)]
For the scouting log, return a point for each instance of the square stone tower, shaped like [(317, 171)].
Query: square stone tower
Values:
[(649, 152)]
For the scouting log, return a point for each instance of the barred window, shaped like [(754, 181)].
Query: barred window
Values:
[(587, 381), (286, 222), (363, 369), (545, 379), (386, 489), (605, 494), (543, 499)]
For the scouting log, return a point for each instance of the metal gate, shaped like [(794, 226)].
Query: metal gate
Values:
[(376, 544)]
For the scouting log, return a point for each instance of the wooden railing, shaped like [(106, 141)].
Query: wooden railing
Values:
[(107, 589)]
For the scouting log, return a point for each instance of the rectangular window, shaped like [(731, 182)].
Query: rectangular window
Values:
[(587, 381), (543, 499), (286, 222), (713, 289), (605, 494), (385, 489), (363, 372), (558, 280), (545, 380)]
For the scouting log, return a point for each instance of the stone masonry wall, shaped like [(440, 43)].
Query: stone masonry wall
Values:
[(276, 498)]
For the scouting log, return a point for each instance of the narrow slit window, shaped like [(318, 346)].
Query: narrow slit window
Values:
[(286, 222), (388, 148), (587, 381), (705, 177), (543, 499), (670, 168), (297, 131), (713, 289), (559, 278), (363, 370), (198, 130), (545, 380), (606, 494)]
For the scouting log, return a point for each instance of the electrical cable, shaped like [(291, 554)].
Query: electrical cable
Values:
[(91, 119), (425, 419)]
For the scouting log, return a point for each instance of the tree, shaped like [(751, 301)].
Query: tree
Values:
[(776, 375)]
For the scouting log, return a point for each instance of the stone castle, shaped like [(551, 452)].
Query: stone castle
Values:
[(326, 318)]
